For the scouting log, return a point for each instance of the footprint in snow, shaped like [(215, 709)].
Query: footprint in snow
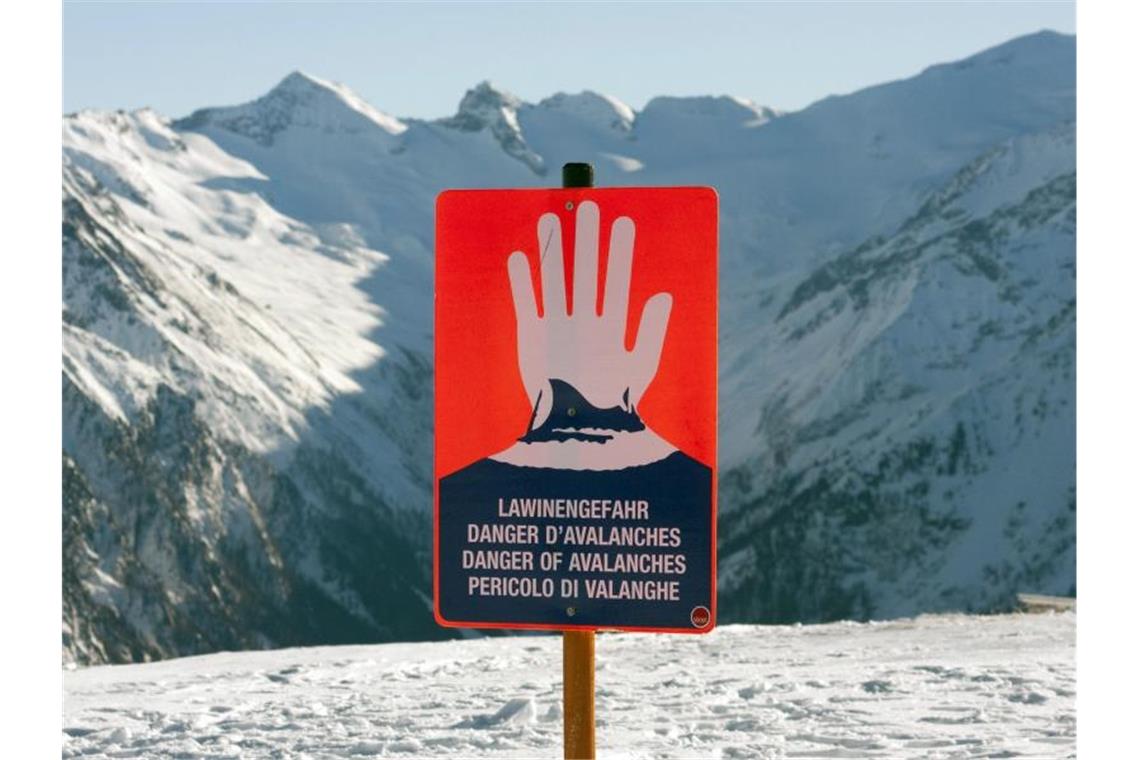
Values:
[(284, 675), (521, 711), (1028, 698)]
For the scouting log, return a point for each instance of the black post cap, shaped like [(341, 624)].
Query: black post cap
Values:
[(577, 175)]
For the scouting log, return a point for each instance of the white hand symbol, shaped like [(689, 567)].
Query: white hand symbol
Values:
[(580, 346)]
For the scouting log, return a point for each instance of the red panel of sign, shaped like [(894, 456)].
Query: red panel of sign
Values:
[(575, 418)]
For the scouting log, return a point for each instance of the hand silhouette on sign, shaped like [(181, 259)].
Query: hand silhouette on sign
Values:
[(574, 343), (583, 383)]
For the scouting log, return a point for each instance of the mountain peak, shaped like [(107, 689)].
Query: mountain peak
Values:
[(297, 79), (484, 105), (300, 100), (726, 108), (1037, 50), (589, 105), (487, 106)]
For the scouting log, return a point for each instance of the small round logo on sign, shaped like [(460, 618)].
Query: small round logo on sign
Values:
[(700, 617)]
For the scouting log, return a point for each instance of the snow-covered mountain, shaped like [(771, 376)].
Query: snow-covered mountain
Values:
[(247, 335)]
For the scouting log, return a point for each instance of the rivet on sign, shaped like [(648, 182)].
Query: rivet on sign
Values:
[(569, 205), (570, 611), (570, 412)]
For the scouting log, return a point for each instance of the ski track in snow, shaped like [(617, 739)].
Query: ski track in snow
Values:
[(948, 686)]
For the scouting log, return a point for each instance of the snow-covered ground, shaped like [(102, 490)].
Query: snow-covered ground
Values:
[(933, 687)]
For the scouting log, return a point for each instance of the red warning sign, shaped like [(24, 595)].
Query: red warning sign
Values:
[(575, 427)]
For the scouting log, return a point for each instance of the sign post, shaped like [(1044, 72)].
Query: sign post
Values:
[(578, 695), (575, 447), (578, 646)]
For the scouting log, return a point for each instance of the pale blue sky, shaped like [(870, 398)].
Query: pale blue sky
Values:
[(418, 59)]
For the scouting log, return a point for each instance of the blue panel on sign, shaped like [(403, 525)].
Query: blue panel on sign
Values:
[(631, 547)]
